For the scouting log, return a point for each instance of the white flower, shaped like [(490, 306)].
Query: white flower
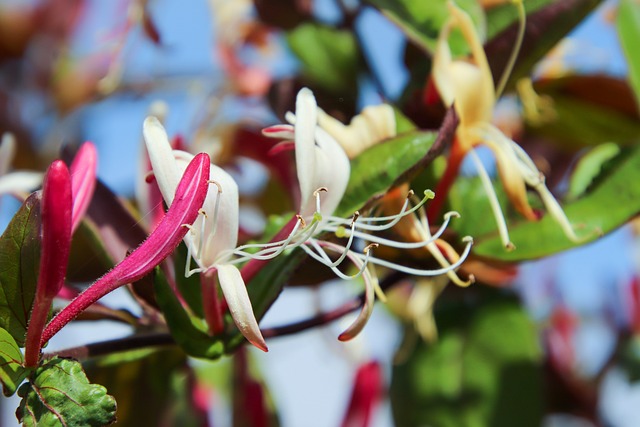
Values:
[(323, 173), (214, 235)]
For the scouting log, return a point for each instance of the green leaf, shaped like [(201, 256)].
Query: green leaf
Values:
[(589, 167), (628, 22), (484, 370), (19, 265), (373, 171), (421, 20), (59, 394), (329, 56), (403, 123), (11, 371), (611, 203), (184, 329), (160, 380)]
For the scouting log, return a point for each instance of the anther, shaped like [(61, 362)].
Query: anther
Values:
[(356, 215), (303, 223), (315, 193), (216, 183), (410, 194), (369, 247), (202, 212)]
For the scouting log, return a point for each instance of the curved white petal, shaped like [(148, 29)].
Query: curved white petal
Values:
[(332, 170), (165, 168), (217, 232), (7, 152), (305, 125), (20, 182), (235, 293)]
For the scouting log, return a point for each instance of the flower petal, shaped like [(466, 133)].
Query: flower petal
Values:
[(305, 126), (83, 181), (7, 152), (20, 182), (218, 231), (332, 171), (235, 293), (160, 152)]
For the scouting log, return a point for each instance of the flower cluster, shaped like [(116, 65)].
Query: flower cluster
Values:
[(323, 171)]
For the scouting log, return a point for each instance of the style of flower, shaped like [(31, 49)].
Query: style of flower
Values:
[(323, 169), (469, 86), (213, 236)]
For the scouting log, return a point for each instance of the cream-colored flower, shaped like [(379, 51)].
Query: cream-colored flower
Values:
[(468, 85), (374, 124)]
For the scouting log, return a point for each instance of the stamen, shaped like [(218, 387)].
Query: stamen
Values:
[(372, 272), (202, 229), (273, 249), (341, 232), (347, 248), (452, 275), (324, 259), (493, 200), (394, 219), (419, 272), (216, 210), (535, 179), (303, 223), (356, 214), (316, 194)]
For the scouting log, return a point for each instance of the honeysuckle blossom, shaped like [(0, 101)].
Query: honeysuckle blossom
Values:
[(469, 86), (17, 182), (213, 236), (189, 197), (323, 174)]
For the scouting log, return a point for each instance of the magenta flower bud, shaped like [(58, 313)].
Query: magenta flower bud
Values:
[(54, 254), (189, 197), (365, 396), (83, 181)]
